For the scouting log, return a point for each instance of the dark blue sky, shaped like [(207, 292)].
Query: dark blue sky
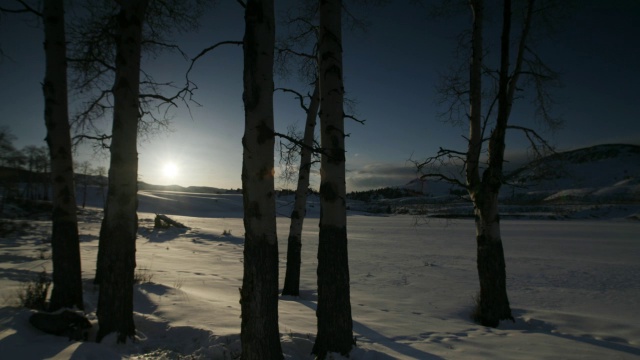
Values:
[(391, 71)]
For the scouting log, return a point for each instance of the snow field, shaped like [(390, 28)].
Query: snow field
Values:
[(574, 288)]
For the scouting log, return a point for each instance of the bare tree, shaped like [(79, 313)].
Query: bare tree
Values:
[(302, 33), (95, 40), (259, 293), (335, 327), (294, 242), (297, 50), (484, 177), (67, 281), (67, 278), (110, 52), (120, 223), (493, 301)]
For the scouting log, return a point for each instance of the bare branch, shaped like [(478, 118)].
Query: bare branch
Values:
[(352, 117), (162, 98), (212, 47), (445, 178), (297, 49), (25, 9), (168, 46), (99, 61), (543, 77), (432, 166), (297, 142), (207, 50), (539, 145), (101, 139), (95, 108), (353, 21), (305, 30), (93, 56), (453, 91), (296, 53), (298, 96)]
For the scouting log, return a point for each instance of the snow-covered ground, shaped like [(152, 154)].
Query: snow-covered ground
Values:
[(574, 287)]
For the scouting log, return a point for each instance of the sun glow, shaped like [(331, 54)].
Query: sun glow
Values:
[(170, 170)]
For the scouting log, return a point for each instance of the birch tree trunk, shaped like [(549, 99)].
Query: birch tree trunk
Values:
[(120, 223), (259, 293), (294, 245), (65, 243), (335, 327)]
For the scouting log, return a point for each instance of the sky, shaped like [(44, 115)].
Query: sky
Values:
[(391, 71)]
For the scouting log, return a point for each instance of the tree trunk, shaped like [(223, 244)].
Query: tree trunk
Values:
[(294, 245), (119, 226), (335, 327), (493, 305), (260, 335), (65, 243), (493, 302)]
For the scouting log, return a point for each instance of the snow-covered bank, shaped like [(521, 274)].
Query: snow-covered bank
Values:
[(574, 288)]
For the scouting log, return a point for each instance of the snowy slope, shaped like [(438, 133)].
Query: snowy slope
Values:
[(608, 172), (602, 173), (597, 182)]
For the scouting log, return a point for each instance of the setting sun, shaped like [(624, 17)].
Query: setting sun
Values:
[(170, 170)]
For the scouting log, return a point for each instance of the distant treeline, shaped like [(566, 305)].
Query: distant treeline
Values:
[(381, 193)]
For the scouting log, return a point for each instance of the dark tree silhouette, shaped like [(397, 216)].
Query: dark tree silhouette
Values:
[(65, 243), (120, 223), (335, 327)]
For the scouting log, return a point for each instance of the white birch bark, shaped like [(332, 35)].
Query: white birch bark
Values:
[(299, 212), (259, 331)]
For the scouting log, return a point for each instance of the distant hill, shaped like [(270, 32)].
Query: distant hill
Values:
[(597, 174), (194, 189), (602, 181), (601, 173)]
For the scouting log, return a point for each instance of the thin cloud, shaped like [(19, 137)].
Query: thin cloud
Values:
[(379, 175)]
